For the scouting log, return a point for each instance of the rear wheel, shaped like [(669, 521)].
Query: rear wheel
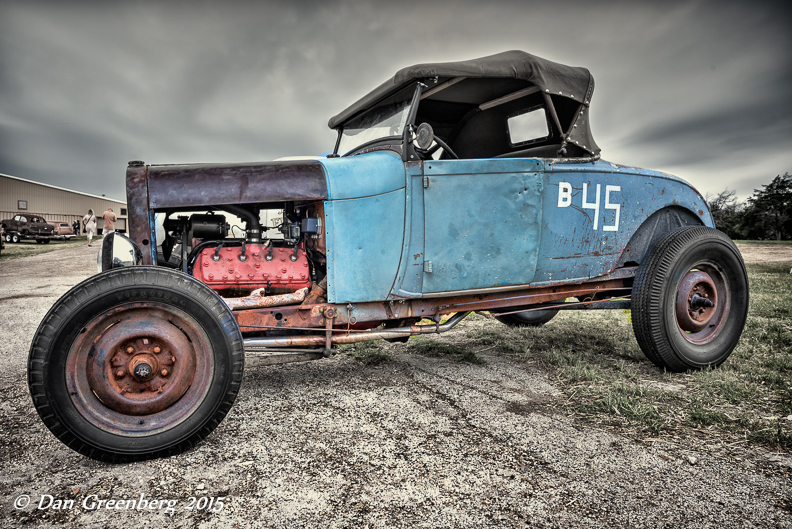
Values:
[(15, 238), (533, 318), (690, 300), (134, 364)]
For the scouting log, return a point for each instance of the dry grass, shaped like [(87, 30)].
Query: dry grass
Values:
[(26, 248), (593, 358)]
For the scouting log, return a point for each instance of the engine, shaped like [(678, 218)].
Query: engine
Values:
[(260, 266)]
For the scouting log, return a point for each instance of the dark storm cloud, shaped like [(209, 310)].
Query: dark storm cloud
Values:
[(697, 87), (752, 124)]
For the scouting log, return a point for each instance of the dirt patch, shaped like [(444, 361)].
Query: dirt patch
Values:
[(765, 253), (414, 442)]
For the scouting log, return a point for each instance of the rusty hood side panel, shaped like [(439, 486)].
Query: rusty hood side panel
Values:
[(239, 183)]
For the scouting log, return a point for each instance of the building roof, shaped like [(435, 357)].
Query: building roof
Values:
[(63, 189)]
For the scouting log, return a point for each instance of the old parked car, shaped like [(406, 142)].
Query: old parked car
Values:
[(23, 225), (62, 229), (452, 188)]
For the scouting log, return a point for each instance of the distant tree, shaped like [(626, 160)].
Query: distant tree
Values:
[(771, 208), (727, 213)]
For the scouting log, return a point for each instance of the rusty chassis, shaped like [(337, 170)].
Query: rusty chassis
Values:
[(340, 322)]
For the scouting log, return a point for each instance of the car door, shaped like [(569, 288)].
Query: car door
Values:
[(482, 224)]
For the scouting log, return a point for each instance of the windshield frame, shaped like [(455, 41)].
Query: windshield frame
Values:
[(407, 113)]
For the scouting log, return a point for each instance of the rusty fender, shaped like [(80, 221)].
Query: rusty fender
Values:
[(363, 336), (257, 300)]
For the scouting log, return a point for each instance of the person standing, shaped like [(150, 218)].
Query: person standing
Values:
[(89, 223), (109, 222), (76, 228)]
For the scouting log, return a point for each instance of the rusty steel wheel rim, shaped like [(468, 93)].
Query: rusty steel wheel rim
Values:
[(139, 369), (702, 302)]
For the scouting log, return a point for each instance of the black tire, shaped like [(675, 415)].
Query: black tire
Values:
[(15, 238), (144, 322), (8, 237), (45, 241), (534, 318), (671, 326)]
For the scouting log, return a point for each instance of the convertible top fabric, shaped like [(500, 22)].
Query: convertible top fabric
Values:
[(572, 82)]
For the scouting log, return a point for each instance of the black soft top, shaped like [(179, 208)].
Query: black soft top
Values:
[(571, 82)]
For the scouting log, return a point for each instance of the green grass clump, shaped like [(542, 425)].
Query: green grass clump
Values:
[(701, 416), (26, 248), (469, 357), (368, 353), (431, 347)]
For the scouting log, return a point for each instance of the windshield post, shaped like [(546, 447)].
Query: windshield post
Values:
[(338, 142), (408, 151)]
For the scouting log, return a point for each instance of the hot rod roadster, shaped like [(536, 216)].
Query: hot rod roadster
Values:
[(452, 188)]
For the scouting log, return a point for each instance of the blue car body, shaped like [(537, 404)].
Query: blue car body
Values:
[(399, 231)]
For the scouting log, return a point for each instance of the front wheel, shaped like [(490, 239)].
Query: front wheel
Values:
[(135, 363), (690, 300)]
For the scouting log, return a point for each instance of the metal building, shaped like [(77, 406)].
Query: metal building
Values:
[(55, 204)]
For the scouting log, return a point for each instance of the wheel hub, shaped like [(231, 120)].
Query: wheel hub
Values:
[(141, 365), (697, 301)]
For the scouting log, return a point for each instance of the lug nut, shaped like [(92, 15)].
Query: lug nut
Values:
[(130, 349), (120, 373), (157, 349), (164, 372)]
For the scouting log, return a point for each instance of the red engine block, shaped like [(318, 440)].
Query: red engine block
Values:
[(255, 270)]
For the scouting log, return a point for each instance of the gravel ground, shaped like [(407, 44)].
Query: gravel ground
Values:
[(419, 442)]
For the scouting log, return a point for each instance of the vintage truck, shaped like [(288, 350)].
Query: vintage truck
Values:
[(452, 188)]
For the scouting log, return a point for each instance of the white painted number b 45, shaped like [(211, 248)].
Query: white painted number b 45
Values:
[(565, 200)]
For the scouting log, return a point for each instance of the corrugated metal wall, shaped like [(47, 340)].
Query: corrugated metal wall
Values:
[(54, 204)]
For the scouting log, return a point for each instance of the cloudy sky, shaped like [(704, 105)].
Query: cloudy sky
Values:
[(700, 89)]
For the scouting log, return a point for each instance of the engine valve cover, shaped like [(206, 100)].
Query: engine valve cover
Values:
[(254, 271)]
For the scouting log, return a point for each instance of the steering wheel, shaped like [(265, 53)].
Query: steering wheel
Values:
[(424, 137), (446, 148)]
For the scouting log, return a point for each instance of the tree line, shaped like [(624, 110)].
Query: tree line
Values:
[(767, 214)]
